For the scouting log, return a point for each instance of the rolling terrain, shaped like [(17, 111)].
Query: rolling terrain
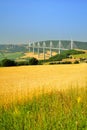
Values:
[(21, 51), (43, 97)]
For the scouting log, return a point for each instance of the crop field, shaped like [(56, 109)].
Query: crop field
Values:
[(41, 56), (16, 82), (43, 97)]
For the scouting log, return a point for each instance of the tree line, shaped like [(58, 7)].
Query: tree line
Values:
[(8, 62)]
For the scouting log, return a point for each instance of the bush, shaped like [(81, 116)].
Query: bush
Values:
[(40, 62), (19, 63), (33, 61), (66, 62), (0, 63), (76, 62), (85, 61), (64, 55), (60, 62), (8, 62), (57, 57)]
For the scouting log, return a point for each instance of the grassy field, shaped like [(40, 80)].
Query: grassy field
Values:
[(19, 56), (43, 97), (13, 56), (80, 56)]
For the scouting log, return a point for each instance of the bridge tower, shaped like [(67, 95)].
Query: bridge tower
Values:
[(44, 45), (71, 44), (38, 49), (51, 48), (33, 47), (59, 46), (29, 46)]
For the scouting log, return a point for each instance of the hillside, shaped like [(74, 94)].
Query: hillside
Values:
[(24, 47), (66, 54), (21, 51), (65, 44)]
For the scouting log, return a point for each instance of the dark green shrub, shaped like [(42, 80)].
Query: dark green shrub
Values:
[(54, 63), (85, 61), (58, 57), (64, 55), (76, 62), (82, 59), (66, 62), (19, 63), (0, 63), (33, 61), (40, 62), (8, 62)]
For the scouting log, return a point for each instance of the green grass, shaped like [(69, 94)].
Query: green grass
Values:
[(1, 57), (13, 56), (61, 110), (80, 56)]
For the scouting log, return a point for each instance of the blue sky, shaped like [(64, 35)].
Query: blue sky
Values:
[(22, 21)]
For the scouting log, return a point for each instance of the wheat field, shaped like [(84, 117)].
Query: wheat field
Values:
[(41, 56), (21, 83)]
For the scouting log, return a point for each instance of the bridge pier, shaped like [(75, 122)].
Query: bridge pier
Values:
[(29, 46), (51, 48), (33, 48), (38, 50), (71, 44), (44, 45), (59, 46)]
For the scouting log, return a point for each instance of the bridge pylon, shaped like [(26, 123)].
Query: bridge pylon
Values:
[(44, 45), (59, 46), (38, 49), (33, 48), (51, 48), (29, 46), (71, 44)]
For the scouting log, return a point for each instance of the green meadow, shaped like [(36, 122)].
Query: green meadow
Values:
[(58, 110), (80, 56), (11, 55)]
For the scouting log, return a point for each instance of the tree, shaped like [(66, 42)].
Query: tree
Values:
[(8, 62), (33, 61)]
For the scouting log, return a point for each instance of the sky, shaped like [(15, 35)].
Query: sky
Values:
[(23, 21)]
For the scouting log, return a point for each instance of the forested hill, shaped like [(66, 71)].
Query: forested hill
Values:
[(14, 48), (24, 47)]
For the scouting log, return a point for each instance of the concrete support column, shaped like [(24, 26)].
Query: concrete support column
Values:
[(59, 46), (51, 48), (38, 49), (33, 48), (71, 44), (29, 46), (44, 45)]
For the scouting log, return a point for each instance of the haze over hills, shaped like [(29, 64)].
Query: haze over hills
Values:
[(25, 47)]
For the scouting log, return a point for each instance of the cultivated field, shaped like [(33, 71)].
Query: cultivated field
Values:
[(41, 56), (19, 83), (43, 97)]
